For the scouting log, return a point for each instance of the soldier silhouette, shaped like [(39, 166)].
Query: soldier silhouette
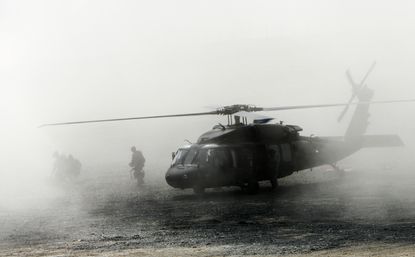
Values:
[(137, 165)]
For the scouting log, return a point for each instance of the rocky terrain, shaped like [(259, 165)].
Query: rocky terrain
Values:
[(317, 213)]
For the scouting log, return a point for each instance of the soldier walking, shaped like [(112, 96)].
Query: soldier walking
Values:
[(137, 165)]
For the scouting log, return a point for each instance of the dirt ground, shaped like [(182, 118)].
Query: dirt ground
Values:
[(315, 213)]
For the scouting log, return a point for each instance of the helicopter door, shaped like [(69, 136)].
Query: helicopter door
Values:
[(244, 165), (221, 165), (273, 160), (286, 160)]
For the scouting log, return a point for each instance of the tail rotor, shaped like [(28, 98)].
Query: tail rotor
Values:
[(356, 89)]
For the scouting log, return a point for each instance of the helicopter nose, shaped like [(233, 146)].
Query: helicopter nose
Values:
[(174, 177), (179, 178)]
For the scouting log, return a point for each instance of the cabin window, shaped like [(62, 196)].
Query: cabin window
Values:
[(274, 153), (179, 157), (220, 158)]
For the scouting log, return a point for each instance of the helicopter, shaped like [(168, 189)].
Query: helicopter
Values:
[(244, 154)]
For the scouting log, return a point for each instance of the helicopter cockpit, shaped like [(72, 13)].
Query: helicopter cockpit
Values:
[(204, 155), (209, 164)]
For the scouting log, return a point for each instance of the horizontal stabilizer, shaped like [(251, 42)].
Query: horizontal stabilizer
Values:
[(382, 141)]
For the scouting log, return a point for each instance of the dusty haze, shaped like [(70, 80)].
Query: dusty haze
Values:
[(75, 60)]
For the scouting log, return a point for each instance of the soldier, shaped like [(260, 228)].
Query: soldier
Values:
[(65, 168), (137, 164)]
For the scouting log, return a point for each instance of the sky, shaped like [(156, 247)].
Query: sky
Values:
[(76, 60)]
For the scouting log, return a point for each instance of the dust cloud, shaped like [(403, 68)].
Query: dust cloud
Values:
[(77, 60)]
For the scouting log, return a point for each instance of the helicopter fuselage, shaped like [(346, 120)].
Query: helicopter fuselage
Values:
[(241, 154)]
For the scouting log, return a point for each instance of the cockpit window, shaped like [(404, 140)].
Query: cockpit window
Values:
[(190, 156), (217, 157), (180, 157)]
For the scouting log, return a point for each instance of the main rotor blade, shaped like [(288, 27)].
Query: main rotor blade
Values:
[(283, 108), (129, 118), (224, 112)]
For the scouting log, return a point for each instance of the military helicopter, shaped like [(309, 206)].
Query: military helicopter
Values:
[(243, 154)]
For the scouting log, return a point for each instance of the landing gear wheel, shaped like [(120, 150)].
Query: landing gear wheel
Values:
[(198, 190), (274, 183)]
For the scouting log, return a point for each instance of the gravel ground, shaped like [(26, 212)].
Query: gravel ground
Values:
[(317, 213)]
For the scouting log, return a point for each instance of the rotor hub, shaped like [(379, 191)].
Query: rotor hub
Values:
[(232, 109)]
